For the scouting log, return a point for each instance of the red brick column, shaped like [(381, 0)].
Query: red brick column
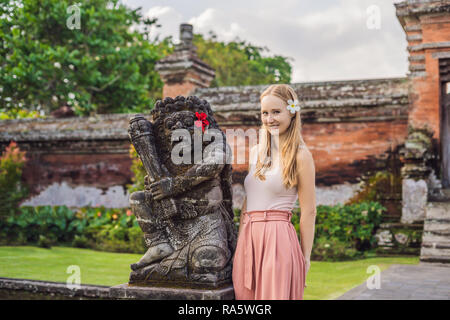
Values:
[(427, 28), (182, 72)]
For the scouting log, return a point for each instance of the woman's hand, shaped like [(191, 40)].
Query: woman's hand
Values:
[(307, 264)]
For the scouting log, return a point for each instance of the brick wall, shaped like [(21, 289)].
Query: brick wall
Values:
[(427, 29), (351, 127)]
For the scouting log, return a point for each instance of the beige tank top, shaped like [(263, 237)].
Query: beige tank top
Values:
[(270, 193)]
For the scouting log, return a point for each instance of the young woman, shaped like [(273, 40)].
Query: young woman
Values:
[(269, 263)]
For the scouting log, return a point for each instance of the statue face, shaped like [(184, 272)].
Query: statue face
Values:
[(168, 139), (174, 121), (180, 120)]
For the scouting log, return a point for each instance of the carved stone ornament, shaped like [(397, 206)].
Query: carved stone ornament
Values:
[(185, 210)]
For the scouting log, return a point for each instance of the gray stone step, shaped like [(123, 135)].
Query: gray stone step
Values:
[(434, 239), (435, 259), (436, 243), (436, 236), (438, 227), (438, 211), (435, 251)]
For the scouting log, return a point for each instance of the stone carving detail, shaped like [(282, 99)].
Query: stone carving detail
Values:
[(185, 210), (417, 156)]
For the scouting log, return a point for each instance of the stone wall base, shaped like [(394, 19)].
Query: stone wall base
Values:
[(126, 291), (23, 289)]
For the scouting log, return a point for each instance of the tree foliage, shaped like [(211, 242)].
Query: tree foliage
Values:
[(241, 63), (107, 65)]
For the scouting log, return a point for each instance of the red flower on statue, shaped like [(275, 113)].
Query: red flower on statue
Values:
[(201, 120)]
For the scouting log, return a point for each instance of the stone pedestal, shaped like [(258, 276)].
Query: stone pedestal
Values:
[(414, 200), (415, 155), (126, 291)]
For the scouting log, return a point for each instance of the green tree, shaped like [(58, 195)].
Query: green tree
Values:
[(105, 65), (241, 63)]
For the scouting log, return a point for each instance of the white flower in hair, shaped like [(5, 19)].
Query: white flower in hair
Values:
[(293, 106)]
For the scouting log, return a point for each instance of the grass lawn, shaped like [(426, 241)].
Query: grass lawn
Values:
[(325, 280), (96, 267)]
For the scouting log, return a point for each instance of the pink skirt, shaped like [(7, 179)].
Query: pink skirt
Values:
[(268, 263)]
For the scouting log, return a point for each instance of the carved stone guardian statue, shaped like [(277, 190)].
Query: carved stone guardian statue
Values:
[(185, 210)]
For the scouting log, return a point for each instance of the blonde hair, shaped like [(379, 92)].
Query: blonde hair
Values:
[(291, 144)]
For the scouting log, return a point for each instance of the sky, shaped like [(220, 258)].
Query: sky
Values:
[(325, 40)]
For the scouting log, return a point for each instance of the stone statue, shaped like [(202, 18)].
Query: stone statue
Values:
[(185, 210)]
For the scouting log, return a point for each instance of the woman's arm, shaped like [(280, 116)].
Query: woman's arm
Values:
[(244, 208), (252, 154), (307, 199)]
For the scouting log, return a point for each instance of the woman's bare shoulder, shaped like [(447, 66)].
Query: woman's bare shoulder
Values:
[(305, 156)]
